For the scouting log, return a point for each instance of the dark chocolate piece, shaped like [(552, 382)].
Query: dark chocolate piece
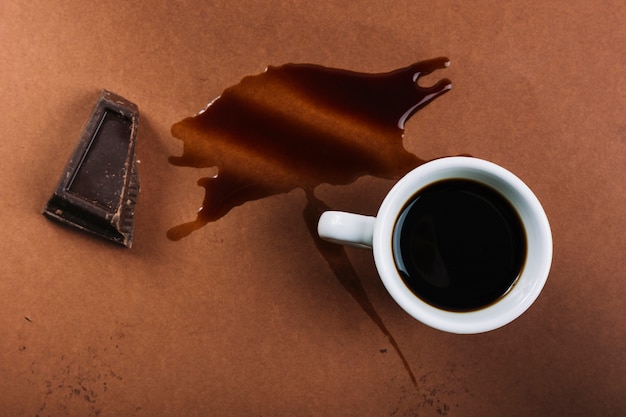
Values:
[(98, 189)]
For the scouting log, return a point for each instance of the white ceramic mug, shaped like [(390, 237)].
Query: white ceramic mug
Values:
[(377, 233)]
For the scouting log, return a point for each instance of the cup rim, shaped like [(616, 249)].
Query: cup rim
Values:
[(538, 234)]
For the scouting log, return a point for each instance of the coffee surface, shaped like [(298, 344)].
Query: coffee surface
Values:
[(459, 245)]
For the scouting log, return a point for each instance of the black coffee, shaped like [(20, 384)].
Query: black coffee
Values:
[(459, 245)]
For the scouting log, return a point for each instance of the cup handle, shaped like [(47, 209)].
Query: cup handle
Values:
[(346, 228)]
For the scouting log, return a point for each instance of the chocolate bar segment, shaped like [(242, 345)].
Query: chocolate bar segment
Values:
[(98, 190)]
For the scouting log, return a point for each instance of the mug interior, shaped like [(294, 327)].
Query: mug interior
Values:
[(538, 238)]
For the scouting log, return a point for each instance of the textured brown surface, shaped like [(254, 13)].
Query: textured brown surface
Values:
[(244, 317)]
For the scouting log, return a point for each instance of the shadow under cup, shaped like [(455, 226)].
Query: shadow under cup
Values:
[(513, 299)]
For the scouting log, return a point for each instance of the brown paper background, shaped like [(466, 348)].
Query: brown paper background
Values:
[(244, 317)]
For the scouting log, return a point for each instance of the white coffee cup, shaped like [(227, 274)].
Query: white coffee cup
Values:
[(377, 233)]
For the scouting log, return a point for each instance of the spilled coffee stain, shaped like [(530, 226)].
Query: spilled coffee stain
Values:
[(341, 266), (299, 126)]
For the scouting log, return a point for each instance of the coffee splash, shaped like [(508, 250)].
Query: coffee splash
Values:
[(299, 126)]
